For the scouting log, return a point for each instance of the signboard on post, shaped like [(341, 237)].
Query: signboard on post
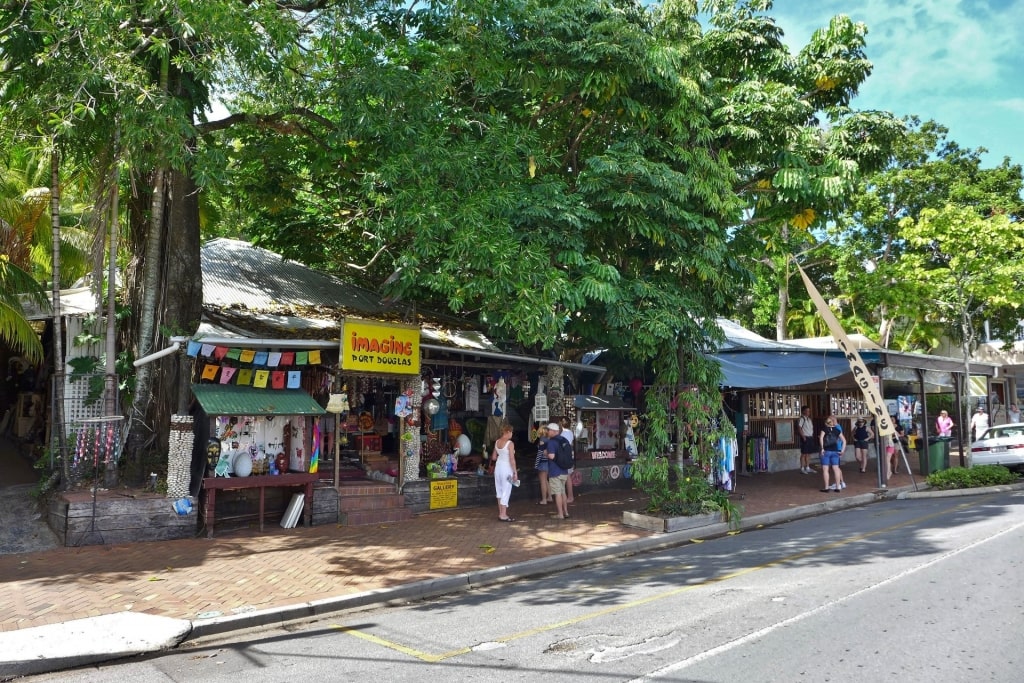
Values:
[(389, 348), (865, 382)]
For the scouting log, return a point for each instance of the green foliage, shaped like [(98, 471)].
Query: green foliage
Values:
[(675, 491), (973, 477)]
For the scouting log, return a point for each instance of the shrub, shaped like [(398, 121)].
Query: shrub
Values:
[(962, 478)]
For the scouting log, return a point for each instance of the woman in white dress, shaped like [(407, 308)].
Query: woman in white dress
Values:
[(505, 471)]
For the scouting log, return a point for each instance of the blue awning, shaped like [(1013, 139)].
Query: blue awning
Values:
[(765, 369)]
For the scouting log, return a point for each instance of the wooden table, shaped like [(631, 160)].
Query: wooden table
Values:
[(261, 482)]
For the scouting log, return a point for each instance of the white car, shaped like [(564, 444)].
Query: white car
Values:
[(1001, 445)]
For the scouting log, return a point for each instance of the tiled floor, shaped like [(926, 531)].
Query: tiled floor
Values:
[(245, 570)]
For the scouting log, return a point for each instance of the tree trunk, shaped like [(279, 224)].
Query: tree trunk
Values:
[(169, 299), (58, 426)]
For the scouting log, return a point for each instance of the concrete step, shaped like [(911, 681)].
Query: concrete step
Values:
[(371, 517), (365, 488)]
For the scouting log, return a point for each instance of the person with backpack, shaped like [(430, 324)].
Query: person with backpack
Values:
[(560, 461), (833, 443), (862, 436)]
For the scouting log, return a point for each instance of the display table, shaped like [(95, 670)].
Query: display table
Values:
[(262, 482)]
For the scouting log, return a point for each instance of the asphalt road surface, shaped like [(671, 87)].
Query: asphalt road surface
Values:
[(917, 590)]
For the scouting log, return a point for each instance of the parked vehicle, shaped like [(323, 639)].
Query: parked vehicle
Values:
[(1001, 445)]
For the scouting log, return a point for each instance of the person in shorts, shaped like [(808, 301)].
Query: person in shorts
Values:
[(556, 475), (832, 443), (808, 444), (541, 465)]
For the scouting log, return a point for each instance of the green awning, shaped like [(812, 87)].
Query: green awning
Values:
[(230, 399)]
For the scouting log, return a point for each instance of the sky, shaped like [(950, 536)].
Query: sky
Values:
[(959, 62)]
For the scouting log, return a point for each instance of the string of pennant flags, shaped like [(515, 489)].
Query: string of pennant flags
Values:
[(260, 375)]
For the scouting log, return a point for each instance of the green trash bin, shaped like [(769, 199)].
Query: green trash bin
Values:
[(938, 456)]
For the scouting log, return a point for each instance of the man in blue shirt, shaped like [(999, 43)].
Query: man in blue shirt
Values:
[(556, 475)]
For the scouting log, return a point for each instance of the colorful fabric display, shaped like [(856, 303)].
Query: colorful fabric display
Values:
[(302, 358), (207, 350), (193, 349), (219, 352), (260, 359), (314, 357), (226, 373), (210, 371), (294, 379), (244, 377), (260, 380), (247, 355), (277, 379), (288, 358), (235, 354), (274, 359)]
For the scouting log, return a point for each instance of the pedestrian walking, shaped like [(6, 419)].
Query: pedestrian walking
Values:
[(505, 475), (944, 424), (569, 436), (979, 423)]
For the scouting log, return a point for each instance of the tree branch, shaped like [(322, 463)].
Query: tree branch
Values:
[(277, 121)]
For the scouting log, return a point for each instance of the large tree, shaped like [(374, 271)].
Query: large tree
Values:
[(928, 171)]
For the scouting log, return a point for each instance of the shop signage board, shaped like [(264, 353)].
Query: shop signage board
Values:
[(444, 493), (603, 455), (371, 346)]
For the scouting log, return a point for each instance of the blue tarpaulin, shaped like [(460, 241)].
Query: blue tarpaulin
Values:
[(764, 369)]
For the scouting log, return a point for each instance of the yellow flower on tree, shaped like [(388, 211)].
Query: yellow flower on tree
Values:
[(804, 219)]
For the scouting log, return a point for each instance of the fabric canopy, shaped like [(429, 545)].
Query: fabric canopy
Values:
[(765, 369), (230, 399)]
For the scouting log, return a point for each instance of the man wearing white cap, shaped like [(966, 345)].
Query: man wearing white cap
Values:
[(557, 475), (979, 423)]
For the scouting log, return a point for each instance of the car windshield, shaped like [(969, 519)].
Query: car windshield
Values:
[(1000, 433)]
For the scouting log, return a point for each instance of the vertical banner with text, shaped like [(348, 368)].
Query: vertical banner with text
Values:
[(861, 376)]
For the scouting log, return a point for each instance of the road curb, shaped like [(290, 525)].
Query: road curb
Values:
[(957, 493)]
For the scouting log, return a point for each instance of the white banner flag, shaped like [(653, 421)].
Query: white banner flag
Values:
[(861, 376)]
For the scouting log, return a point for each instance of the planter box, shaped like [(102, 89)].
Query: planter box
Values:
[(642, 520)]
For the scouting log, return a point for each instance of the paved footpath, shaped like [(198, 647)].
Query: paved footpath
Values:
[(245, 578)]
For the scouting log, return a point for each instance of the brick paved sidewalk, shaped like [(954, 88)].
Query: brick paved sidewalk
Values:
[(246, 570)]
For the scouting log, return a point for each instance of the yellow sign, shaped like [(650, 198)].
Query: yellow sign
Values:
[(368, 346), (444, 493), (883, 423)]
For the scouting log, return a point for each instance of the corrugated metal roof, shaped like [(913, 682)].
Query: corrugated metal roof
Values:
[(230, 399), (256, 293), (236, 273)]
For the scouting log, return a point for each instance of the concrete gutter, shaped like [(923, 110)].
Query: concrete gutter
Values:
[(114, 636)]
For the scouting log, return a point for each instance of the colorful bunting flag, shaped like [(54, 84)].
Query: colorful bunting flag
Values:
[(226, 373), (294, 379), (207, 350), (301, 358), (234, 354), (193, 348), (288, 358), (277, 379), (261, 379), (274, 359), (260, 359), (247, 355), (210, 371), (244, 377), (219, 352), (314, 357)]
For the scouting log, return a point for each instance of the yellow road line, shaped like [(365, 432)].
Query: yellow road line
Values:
[(434, 658)]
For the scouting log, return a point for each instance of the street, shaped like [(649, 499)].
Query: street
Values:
[(925, 589)]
